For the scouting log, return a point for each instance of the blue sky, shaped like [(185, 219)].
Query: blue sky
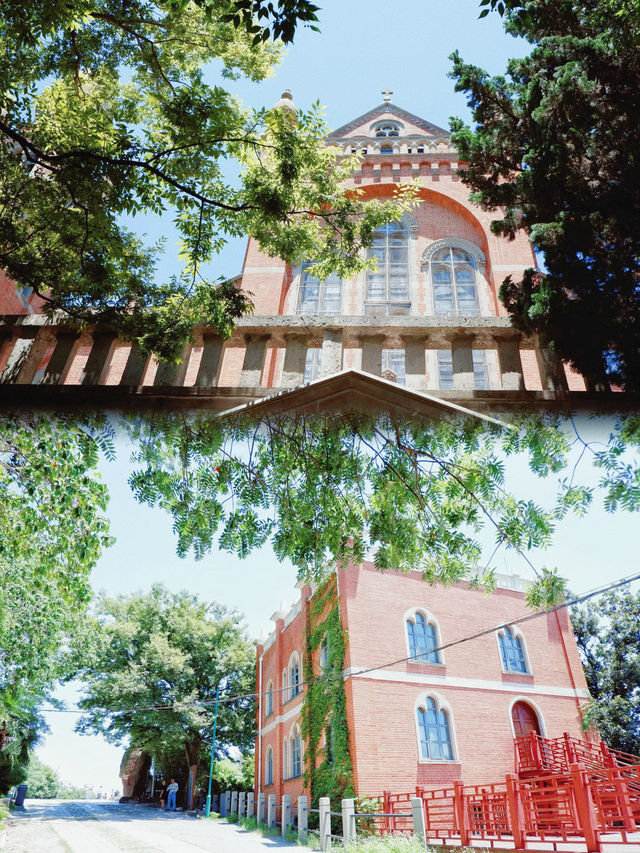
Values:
[(364, 47)]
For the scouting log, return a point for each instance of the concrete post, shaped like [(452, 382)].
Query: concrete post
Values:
[(250, 804), (171, 372), (260, 815), (294, 362), (27, 351), (242, 804), (223, 804), (510, 364), (286, 814), (97, 366), (348, 822), (271, 810), (415, 365), (215, 804), (210, 361), (372, 355), (551, 370), (331, 352), (462, 361), (58, 367), (303, 818), (234, 802), (135, 367), (324, 807), (417, 812), (253, 360)]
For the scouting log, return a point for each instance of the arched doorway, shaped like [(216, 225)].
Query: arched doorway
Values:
[(525, 720)]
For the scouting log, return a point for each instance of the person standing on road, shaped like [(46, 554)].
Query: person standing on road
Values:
[(163, 794), (172, 790)]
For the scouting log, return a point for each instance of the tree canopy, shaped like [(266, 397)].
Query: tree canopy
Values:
[(151, 663), (555, 148), (112, 108), (608, 634)]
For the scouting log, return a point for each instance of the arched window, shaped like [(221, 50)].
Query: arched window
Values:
[(285, 758), (423, 641), (296, 752), (323, 653), (511, 651), (268, 770), (454, 280), (294, 675), (434, 732), (269, 702), (388, 287), (319, 297), (388, 128), (284, 692)]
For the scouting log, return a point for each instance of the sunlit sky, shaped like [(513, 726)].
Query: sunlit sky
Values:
[(364, 47)]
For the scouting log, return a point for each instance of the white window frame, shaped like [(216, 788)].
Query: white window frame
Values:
[(293, 658), (517, 633), (479, 259), (269, 702), (285, 759), (268, 776), (441, 705), (293, 734), (319, 311), (431, 620)]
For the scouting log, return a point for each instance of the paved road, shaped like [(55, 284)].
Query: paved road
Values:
[(87, 826)]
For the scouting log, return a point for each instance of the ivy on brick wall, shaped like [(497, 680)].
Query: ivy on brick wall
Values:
[(328, 770)]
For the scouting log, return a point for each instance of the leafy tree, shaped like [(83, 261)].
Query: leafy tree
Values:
[(42, 780), (151, 663), (230, 775), (555, 148), (106, 110), (23, 726), (608, 634), (326, 489), (54, 529)]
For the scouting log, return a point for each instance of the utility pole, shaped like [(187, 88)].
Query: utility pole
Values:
[(207, 809)]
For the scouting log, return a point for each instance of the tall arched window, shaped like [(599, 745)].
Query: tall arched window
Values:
[(296, 752), (434, 731), (319, 297), (454, 280), (285, 758), (511, 651), (423, 640), (284, 693), (268, 770), (269, 701), (294, 675), (388, 288)]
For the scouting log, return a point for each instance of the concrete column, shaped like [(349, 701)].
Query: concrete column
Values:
[(372, 355), (242, 804), (324, 807), (215, 805), (7, 341), (135, 367), (250, 804), (286, 814), (294, 362), (210, 362), (331, 352), (99, 361), (171, 372), (417, 811), (234, 802), (462, 361), (551, 369), (26, 354), (253, 364), (58, 367), (303, 818), (271, 810), (260, 815), (348, 822), (415, 364), (510, 364)]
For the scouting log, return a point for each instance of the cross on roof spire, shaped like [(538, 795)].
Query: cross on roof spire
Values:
[(386, 95)]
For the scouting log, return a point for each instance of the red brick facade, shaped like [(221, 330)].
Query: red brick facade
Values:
[(469, 683)]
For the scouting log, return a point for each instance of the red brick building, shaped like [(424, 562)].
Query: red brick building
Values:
[(421, 708), (429, 318)]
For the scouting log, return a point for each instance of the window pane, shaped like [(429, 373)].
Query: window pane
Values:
[(393, 359), (480, 370), (313, 364), (445, 370)]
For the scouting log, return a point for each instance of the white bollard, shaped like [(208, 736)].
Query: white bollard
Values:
[(417, 811), (286, 814), (303, 814), (250, 801), (324, 807), (260, 807), (271, 810), (348, 822)]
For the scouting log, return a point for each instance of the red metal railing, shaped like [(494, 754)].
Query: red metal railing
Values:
[(535, 755)]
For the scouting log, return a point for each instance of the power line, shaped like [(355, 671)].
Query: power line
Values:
[(324, 678)]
